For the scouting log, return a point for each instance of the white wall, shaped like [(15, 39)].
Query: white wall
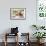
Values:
[(24, 25)]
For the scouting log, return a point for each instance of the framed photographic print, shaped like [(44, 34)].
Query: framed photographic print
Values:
[(17, 13), (41, 8), (41, 12)]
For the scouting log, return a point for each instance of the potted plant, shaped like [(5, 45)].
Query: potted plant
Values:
[(38, 27), (35, 26), (39, 35), (42, 27)]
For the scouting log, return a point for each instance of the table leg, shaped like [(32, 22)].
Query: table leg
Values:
[(5, 40), (17, 39)]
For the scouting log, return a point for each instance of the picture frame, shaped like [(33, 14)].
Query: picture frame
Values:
[(41, 12), (17, 13), (41, 9)]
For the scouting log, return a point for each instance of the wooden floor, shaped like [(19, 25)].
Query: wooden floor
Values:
[(13, 44)]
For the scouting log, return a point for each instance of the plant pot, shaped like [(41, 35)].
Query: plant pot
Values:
[(40, 41)]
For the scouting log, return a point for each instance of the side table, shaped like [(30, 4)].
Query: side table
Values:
[(9, 34)]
